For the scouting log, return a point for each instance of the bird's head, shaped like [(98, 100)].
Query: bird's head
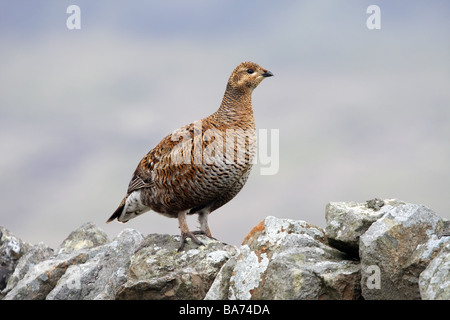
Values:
[(247, 76)]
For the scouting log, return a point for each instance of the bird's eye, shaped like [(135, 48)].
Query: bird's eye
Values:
[(250, 71)]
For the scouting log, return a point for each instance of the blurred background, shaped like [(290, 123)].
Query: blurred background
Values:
[(361, 113)]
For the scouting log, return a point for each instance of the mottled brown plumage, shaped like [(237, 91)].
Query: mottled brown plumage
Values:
[(201, 166)]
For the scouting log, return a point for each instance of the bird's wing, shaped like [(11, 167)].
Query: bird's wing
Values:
[(176, 169), (137, 183), (144, 175)]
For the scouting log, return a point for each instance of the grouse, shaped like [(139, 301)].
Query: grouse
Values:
[(201, 166)]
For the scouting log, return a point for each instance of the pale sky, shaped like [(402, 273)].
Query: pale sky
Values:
[(361, 113)]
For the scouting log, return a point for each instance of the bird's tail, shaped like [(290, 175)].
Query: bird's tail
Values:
[(116, 213), (130, 207)]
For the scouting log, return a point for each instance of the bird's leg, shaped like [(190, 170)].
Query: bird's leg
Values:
[(204, 228), (185, 233)]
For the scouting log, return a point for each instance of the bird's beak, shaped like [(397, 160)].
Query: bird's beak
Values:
[(267, 73)]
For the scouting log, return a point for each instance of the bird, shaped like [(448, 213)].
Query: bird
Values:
[(201, 166)]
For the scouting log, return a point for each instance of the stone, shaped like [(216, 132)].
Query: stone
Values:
[(287, 259), (445, 230), (101, 275), (404, 253), (11, 250), (86, 266), (434, 281), (219, 289), (37, 254), (347, 221), (86, 236), (158, 271), (42, 278), (399, 245)]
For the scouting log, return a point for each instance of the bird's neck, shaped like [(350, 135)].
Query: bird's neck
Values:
[(236, 108)]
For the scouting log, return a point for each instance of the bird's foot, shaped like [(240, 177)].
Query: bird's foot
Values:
[(443, 234), (184, 236), (208, 235), (204, 234)]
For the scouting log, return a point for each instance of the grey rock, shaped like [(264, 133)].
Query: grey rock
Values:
[(287, 259), (40, 271), (86, 236), (445, 232), (403, 250), (434, 281), (347, 221), (220, 288), (397, 248), (38, 253), (11, 250), (4, 275), (101, 275), (375, 204), (42, 277), (158, 271)]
